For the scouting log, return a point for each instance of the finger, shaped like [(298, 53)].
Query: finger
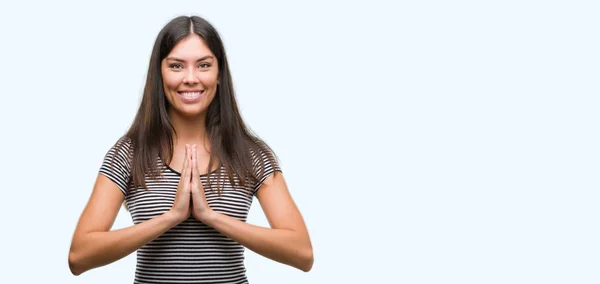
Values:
[(195, 161), (195, 172), (197, 165), (185, 174), (185, 162), (191, 166), (189, 155)]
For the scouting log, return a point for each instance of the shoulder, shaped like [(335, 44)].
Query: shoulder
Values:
[(263, 156), (259, 150), (123, 146), (264, 162), (117, 163), (121, 150), (124, 142)]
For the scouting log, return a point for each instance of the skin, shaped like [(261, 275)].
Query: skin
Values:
[(286, 241)]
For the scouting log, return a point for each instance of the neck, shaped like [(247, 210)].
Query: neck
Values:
[(190, 130)]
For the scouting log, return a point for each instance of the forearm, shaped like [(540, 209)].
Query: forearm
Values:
[(95, 249), (282, 245)]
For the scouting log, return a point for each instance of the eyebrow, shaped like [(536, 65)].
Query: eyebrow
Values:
[(181, 60)]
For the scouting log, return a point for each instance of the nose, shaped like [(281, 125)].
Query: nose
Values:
[(191, 77)]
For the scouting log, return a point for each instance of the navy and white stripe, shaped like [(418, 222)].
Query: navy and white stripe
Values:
[(190, 252)]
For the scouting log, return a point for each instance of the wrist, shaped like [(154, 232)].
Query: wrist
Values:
[(174, 217), (208, 217)]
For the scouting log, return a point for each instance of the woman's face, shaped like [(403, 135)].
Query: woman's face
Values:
[(190, 76)]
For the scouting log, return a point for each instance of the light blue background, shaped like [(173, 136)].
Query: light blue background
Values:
[(424, 141)]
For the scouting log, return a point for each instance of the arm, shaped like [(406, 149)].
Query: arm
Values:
[(287, 241), (94, 246)]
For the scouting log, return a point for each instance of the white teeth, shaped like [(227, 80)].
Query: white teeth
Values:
[(190, 95)]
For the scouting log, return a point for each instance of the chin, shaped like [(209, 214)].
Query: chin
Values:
[(187, 111), (190, 114), (194, 113)]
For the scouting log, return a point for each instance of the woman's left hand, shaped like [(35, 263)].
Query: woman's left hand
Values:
[(200, 208)]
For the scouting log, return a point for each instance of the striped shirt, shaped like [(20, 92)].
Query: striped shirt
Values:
[(190, 252)]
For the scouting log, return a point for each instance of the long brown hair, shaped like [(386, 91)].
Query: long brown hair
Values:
[(151, 133)]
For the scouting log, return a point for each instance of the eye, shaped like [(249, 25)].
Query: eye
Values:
[(204, 65), (175, 66)]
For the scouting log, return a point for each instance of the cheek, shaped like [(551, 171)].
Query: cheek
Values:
[(171, 81), (209, 80)]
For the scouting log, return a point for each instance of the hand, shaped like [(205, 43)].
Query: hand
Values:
[(201, 210), (182, 204)]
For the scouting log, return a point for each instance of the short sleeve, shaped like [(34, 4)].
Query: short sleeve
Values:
[(117, 164), (264, 164)]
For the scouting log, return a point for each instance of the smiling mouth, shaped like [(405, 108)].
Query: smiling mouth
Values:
[(191, 94)]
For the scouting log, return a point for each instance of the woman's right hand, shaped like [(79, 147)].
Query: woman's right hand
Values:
[(182, 206)]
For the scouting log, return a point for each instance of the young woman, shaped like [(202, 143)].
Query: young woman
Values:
[(187, 170)]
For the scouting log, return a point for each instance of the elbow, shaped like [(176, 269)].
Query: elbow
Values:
[(74, 264), (307, 260)]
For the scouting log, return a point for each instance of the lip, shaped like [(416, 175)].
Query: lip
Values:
[(191, 100)]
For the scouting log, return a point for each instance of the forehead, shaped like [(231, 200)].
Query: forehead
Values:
[(190, 48)]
